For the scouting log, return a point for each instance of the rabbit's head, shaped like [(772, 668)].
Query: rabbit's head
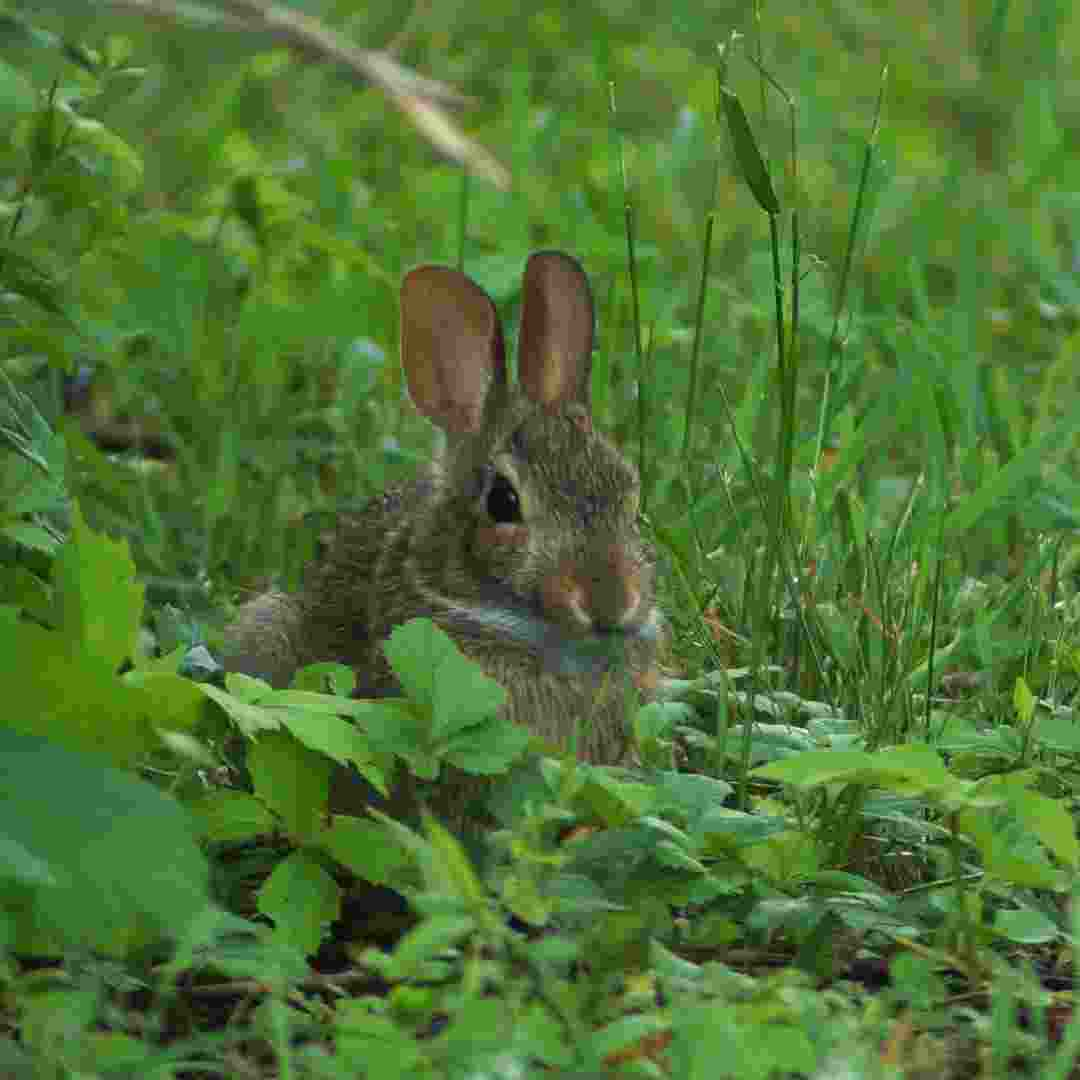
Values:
[(532, 538)]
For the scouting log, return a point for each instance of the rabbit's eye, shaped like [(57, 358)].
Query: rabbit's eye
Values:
[(503, 504)]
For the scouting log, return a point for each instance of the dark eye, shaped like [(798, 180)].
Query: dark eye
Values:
[(503, 503)]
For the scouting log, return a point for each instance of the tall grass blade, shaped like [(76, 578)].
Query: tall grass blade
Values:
[(835, 348)]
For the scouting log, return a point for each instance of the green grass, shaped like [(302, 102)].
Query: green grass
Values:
[(856, 414)]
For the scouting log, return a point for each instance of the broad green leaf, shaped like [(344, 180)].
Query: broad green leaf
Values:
[(16, 92), (176, 703), (603, 796), (1057, 732), (426, 942), (98, 601), (57, 690), (627, 1038), (292, 780), (541, 1036), (1025, 926), (910, 768), (249, 718), (367, 1043), (122, 160), (21, 866), (397, 726), (690, 794), (367, 848), (315, 721), (722, 829), (451, 711), (434, 675), (302, 899), (489, 747), (26, 591), (105, 824), (1009, 863), (336, 679), (447, 867), (226, 816), (1048, 820)]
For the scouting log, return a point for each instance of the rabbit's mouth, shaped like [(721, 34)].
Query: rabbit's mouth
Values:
[(561, 649)]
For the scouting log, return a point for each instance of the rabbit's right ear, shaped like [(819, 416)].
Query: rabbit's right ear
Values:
[(555, 343), (451, 346)]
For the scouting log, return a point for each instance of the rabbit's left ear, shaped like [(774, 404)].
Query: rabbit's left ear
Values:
[(451, 347), (555, 344)]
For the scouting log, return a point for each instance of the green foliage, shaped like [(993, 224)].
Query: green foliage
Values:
[(452, 708), (856, 418), (68, 878)]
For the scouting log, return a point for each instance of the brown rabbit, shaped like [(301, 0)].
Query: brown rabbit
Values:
[(520, 541)]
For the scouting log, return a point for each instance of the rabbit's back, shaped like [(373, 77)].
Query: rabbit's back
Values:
[(353, 595)]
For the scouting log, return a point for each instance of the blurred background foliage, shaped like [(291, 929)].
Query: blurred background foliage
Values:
[(203, 234)]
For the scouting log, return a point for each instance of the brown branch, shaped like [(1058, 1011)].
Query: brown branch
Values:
[(423, 101)]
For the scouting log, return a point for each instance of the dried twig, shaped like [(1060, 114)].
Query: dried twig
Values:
[(422, 100)]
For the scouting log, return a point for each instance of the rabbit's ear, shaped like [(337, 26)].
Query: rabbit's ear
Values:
[(451, 346), (555, 347)]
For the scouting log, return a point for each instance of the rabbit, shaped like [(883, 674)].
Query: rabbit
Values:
[(521, 540)]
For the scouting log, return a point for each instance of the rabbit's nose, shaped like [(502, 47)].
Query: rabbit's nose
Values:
[(615, 588), (601, 592)]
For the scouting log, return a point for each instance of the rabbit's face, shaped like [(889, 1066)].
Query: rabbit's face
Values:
[(530, 540), (554, 547)]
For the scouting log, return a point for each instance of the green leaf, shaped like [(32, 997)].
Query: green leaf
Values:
[(447, 867), (602, 795), (28, 535), (33, 496), (123, 162), (398, 727), (21, 866), (56, 689), (452, 711), (367, 848), (910, 768), (25, 277), (487, 748), (177, 703), (21, 589), (224, 816), (723, 830), (369, 1044), (98, 602), (434, 675), (752, 165), (16, 92), (1057, 732), (125, 867), (315, 721), (336, 679), (293, 781), (1025, 926), (426, 942), (302, 899), (1048, 820), (237, 704), (627, 1037), (1023, 701)]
